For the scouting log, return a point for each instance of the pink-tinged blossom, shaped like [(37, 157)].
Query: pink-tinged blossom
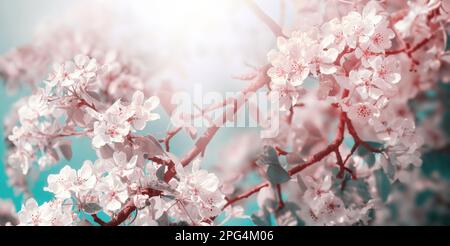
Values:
[(359, 27), (62, 183), (35, 107), (380, 40), (121, 166), (63, 75), (321, 56), (113, 193), (22, 159), (388, 130), (85, 67), (85, 179), (53, 213), (289, 63), (140, 201), (433, 59), (365, 85), (200, 189), (234, 212), (70, 181), (386, 70), (114, 125), (31, 214), (406, 151), (84, 75), (333, 31), (323, 207), (363, 113), (434, 136), (144, 218), (417, 13), (23, 65), (287, 95)]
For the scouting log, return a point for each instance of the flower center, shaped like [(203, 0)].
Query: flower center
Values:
[(364, 111)]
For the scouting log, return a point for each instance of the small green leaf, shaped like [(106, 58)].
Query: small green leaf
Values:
[(383, 184), (277, 175), (389, 169), (363, 150), (160, 172), (275, 172)]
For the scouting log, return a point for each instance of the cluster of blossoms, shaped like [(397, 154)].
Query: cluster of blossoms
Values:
[(71, 104), (99, 94), (357, 69), (109, 184)]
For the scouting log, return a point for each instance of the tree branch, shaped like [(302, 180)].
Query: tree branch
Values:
[(358, 140), (312, 160), (204, 140), (170, 135)]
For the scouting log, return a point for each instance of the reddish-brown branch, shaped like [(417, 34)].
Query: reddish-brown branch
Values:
[(85, 103), (358, 140), (410, 50), (420, 45), (352, 151), (333, 147), (274, 27), (350, 171), (280, 197), (329, 149), (246, 194), (280, 151), (127, 209), (119, 218), (340, 163), (98, 220)]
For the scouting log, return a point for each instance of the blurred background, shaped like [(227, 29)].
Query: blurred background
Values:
[(204, 42)]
